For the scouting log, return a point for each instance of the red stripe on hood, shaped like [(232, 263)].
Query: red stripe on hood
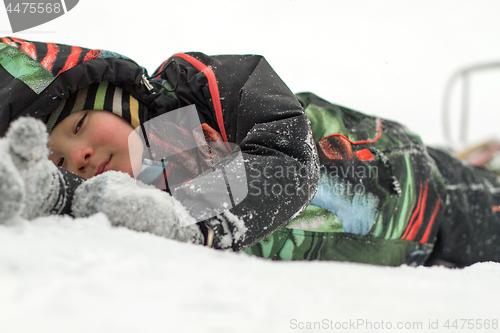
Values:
[(214, 90), (8, 41), (92, 54), (49, 59), (26, 47), (72, 59)]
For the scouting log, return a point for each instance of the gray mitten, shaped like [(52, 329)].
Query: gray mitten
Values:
[(141, 208), (11, 186), (31, 185)]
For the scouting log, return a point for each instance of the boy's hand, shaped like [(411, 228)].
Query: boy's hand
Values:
[(141, 208), (31, 185), (11, 186)]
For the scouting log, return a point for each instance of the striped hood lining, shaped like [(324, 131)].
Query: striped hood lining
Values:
[(99, 96)]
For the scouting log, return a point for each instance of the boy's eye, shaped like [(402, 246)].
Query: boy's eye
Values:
[(60, 162), (80, 123)]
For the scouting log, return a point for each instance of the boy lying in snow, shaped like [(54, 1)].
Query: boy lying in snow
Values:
[(33, 186), (359, 188)]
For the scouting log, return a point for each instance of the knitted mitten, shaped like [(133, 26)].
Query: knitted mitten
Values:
[(31, 185), (11, 186), (141, 208)]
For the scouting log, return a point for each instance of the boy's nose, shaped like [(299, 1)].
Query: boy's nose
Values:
[(81, 158)]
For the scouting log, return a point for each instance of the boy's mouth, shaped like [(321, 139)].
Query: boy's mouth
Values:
[(103, 167)]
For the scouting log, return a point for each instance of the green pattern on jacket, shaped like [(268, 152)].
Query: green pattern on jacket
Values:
[(393, 216), (22, 67)]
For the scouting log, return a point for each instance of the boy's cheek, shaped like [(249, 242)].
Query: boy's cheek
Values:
[(135, 151), (107, 139)]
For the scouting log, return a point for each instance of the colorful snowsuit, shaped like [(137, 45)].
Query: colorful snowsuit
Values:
[(379, 198), (359, 189)]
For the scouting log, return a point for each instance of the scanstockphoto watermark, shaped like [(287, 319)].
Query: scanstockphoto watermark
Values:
[(291, 180), (24, 14), (376, 325), (355, 324)]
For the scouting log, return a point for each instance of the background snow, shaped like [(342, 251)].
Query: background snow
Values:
[(386, 57), (64, 275), (390, 58)]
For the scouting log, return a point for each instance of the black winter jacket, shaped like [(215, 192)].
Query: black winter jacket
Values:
[(240, 96)]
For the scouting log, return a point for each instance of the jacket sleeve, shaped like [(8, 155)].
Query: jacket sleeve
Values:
[(262, 116)]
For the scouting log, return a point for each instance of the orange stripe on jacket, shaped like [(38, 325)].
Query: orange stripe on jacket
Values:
[(212, 86), (379, 133), (418, 223), (427, 233), (415, 212)]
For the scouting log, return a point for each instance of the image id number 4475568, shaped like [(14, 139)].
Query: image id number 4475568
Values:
[(471, 324), (34, 7)]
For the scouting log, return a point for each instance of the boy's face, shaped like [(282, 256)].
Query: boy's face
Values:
[(90, 142)]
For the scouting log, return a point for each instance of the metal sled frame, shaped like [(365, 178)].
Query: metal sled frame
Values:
[(465, 75)]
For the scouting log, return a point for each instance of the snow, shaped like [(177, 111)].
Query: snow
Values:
[(82, 275), (390, 58)]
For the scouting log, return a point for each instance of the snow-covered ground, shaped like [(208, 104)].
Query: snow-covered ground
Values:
[(390, 58), (64, 275)]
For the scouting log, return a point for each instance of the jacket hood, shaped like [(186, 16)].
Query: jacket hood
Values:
[(36, 78)]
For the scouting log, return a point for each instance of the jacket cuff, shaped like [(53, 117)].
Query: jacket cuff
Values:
[(223, 231)]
